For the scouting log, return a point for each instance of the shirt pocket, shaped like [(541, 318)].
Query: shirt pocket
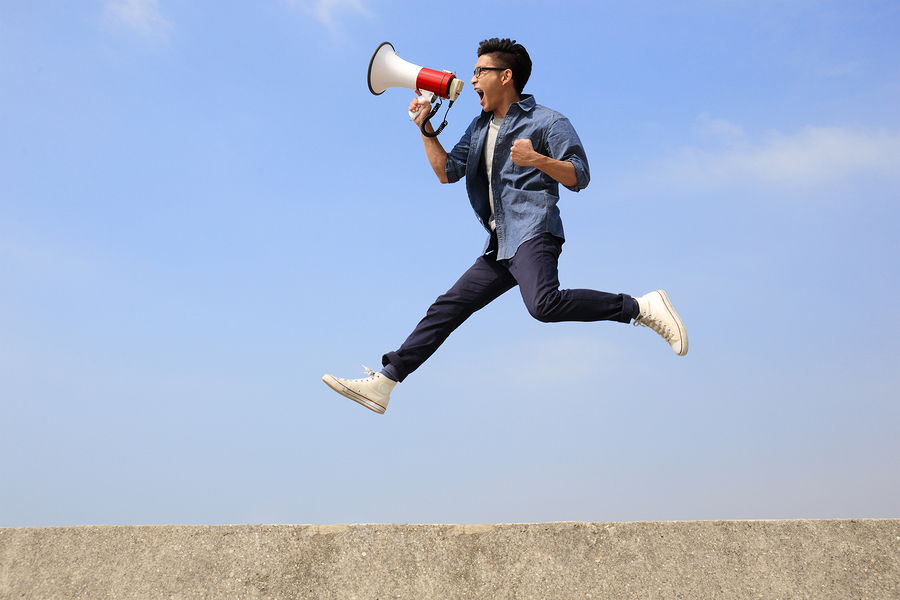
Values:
[(525, 209)]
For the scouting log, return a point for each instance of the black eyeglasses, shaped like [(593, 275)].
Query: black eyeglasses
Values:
[(479, 70)]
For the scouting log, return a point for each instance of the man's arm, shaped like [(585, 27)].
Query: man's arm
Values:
[(435, 152), (524, 155)]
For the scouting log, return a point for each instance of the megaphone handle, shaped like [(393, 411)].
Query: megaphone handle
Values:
[(428, 96)]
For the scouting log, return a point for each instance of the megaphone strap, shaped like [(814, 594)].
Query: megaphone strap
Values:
[(433, 112)]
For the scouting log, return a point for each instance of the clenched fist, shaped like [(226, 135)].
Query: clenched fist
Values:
[(523, 153)]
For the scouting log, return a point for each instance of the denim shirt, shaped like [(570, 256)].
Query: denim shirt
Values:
[(525, 198)]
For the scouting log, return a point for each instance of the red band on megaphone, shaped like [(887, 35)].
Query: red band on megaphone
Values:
[(435, 81)]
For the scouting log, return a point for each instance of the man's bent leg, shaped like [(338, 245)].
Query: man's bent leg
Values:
[(479, 285), (534, 267)]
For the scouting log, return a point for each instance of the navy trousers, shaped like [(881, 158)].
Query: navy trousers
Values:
[(534, 270)]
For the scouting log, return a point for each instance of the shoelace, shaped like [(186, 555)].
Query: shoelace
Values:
[(368, 371), (657, 326)]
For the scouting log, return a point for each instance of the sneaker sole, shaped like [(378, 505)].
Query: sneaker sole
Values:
[(681, 330), (343, 390)]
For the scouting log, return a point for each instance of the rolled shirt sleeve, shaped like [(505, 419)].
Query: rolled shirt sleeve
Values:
[(564, 144)]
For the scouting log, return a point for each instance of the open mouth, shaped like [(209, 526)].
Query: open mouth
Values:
[(480, 95)]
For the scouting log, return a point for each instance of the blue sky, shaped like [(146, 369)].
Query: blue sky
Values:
[(203, 209)]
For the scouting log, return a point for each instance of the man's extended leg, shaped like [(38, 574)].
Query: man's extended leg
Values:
[(534, 267), (482, 283)]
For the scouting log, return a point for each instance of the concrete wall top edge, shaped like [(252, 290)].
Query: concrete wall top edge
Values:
[(335, 527)]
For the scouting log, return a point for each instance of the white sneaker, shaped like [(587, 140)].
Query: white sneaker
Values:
[(657, 313), (373, 392)]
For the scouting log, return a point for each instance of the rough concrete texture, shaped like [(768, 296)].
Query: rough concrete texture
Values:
[(790, 560)]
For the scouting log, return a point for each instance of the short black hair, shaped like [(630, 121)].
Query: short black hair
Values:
[(513, 56)]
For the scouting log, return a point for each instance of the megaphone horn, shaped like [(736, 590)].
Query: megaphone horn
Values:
[(387, 70)]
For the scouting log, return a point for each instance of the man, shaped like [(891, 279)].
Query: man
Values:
[(514, 156)]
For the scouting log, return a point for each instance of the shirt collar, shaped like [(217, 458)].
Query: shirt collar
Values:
[(526, 104)]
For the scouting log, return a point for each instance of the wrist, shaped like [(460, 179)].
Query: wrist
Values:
[(541, 162), (428, 128)]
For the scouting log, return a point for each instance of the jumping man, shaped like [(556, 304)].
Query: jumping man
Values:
[(514, 156)]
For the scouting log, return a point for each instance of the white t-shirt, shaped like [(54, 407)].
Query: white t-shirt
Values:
[(489, 144)]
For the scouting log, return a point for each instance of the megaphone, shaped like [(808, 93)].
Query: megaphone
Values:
[(387, 70)]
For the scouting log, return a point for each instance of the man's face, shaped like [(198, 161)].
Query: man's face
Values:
[(489, 86)]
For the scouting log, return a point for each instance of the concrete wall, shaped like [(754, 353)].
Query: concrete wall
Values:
[(822, 560)]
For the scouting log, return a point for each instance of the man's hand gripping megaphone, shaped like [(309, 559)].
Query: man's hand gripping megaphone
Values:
[(420, 107)]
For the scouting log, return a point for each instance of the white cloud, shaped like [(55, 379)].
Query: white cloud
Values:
[(325, 11), (718, 128), (141, 16), (813, 156)]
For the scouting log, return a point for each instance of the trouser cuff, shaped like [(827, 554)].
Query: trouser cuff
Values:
[(392, 361), (630, 309)]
